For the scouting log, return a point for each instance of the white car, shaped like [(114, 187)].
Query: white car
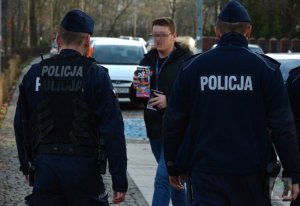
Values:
[(54, 48), (121, 57), (288, 61)]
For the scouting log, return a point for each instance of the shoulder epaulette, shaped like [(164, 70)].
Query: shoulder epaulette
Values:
[(191, 57), (295, 70), (105, 69), (270, 62), (100, 67), (90, 59), (269, 58), (189, 60)]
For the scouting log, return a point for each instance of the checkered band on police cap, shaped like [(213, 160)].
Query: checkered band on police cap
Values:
[(78, 21), (234, 12)]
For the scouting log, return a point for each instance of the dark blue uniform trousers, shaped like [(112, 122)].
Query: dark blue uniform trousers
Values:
[(229, 190), (296, 202), (67, 181)]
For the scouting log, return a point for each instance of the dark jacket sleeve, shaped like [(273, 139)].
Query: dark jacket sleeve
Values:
[(111, 127), (293, 87), (175, 123), (28, 83), (19, 140), (281, 122)]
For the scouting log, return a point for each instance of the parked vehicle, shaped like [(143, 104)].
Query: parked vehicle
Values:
[(288, 61), (150, 44), (121, 57), (253, 47), (54, 46), (134, 38)]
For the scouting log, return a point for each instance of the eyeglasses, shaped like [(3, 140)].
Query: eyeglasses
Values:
[(160, 35)]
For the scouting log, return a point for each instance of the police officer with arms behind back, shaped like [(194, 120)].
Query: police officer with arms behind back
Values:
[(217, 122), (68, 104)]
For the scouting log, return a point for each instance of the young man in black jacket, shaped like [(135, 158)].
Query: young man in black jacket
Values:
[(164, 60)]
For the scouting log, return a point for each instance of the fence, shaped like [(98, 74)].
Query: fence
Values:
[(272, 45)]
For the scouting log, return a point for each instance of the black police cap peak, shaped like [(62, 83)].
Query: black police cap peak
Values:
[(78, 21), (234, 12)]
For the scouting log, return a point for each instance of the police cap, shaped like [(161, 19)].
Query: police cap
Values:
[(234, 12), (78, 21)]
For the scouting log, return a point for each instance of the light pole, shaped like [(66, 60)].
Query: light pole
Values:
[(134, 17), (199, 31)]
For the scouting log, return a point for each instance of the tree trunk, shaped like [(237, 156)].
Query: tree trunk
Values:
[(112, 28), (33, 26), (7, 27)]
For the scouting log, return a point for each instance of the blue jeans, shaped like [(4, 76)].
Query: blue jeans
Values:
[(296, 202), (163, 191)]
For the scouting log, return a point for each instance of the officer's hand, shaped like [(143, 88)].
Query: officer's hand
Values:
[(135, 81), (293, 188), (118, 197), (175, 182), (160, 100)]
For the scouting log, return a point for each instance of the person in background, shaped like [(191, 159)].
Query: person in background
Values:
[(67, 121), (217, 125), (293, 88), (164, 60)]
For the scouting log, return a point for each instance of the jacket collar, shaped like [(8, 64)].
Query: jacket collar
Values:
[(69, 52), (234, 39), (152, 54)]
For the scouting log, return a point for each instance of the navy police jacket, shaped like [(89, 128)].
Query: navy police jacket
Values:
[(221, 110), (293, 88), (100, 98)]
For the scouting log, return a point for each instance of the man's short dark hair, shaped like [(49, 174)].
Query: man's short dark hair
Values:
[(165, 21), (69, 37), (226, 27)]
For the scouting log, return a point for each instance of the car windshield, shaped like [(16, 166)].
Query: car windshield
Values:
[(287, 65), (118, 54)]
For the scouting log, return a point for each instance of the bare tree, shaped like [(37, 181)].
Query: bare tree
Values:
[(173, 8), (122, 7), (32, 23), (25, 22)]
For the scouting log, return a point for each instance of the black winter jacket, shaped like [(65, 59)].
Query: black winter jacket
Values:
[(166, 78)]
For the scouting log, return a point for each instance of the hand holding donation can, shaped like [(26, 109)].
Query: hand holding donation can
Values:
[(143, 87)]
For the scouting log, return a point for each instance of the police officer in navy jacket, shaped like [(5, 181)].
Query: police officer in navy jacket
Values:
[(293, 88), (71, 108), (221, 110)]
